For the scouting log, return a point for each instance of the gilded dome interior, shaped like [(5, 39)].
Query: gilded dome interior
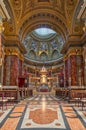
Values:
[(43, 44)]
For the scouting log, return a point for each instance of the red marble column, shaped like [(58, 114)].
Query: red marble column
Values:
[(0, 60), (0, 47), (66, 73), (6, 70), (11, 70), (61, 78), (80, 70), (73, 70), (20, 67), (14, 71)]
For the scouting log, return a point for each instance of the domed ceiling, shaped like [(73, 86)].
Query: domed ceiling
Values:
[(43, 44), (28, 16)]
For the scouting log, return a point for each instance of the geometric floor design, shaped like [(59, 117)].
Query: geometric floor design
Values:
[(43, 112)]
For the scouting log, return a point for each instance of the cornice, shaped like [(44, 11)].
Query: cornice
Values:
[(47, 64), (13, 51), (73, 51), (14, 41), (73, 40), (83, 38)]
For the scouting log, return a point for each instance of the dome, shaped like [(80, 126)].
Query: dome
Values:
[(44, 31), (43, 45)]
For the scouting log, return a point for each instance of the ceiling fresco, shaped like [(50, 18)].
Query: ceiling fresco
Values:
[(43, 45), (26, 16)]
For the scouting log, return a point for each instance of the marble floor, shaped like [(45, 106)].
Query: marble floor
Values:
[(43, 112)]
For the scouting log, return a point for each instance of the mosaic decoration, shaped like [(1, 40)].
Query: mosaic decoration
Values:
[(43, 48)]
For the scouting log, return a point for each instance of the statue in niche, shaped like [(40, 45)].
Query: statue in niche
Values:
[(32, 55), (55, 54), (43, 47), (54, 44), (43, 57), (33, 46)]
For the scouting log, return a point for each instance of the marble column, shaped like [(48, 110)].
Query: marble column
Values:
[(0, 60), (66, 79), (6, 70), (12, 66), (11, 70), (73, 71), (14, 70), (84, 57), (74, 68), (1, 50), (77, 71), (20, 67)]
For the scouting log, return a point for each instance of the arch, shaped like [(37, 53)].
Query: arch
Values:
[(35, 24), (55, 54), (43, 56), (50, 20), (32, 54), (43, 12)]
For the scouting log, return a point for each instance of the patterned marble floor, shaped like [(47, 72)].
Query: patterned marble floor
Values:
[(43, 112)]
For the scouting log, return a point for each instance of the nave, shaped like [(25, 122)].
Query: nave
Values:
[(43, 112)]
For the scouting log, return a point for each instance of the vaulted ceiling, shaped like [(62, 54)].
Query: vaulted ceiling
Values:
[(28, 15)]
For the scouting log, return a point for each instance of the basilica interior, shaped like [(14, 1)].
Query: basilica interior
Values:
[(42, 64)]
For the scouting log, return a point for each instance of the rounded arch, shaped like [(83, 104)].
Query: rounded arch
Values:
[(43, 12), (43, 56), (48, 23), (55, 54), (32, 54), (50, 19)]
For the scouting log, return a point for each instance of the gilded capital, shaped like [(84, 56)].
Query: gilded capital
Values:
[(1, 26), (75, 51), (13, 51)]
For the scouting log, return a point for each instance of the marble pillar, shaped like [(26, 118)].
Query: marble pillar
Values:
[(1, 50), (20, 67), (74, 71), (0, 60), (66, 79), (6, 70), (11, 70), (84, 57), (14, 70)]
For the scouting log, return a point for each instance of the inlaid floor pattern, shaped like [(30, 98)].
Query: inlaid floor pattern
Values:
[(43, 112)]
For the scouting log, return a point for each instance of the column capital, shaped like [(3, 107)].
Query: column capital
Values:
[(13, 51), (1, 26), (73, 51)]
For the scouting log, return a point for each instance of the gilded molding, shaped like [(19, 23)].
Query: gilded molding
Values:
[(13, 51), (73, 51)]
